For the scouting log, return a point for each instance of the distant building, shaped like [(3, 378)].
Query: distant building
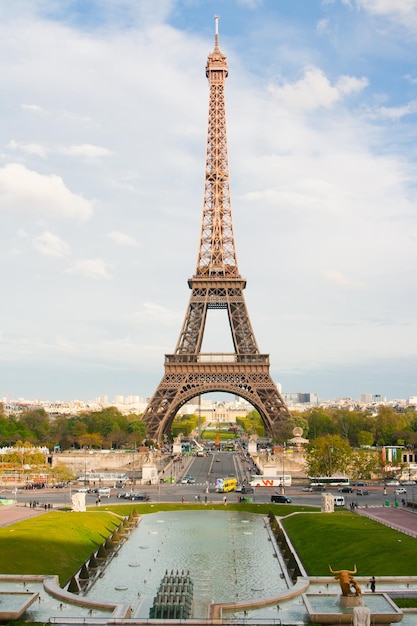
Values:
[(301, 398)]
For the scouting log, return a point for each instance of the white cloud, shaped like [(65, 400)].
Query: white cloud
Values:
[(86, 150), (396, 113), (90, 268), (315, 91), (338, 278), (152, 312), (24, 190), (122, 239), (34, 108), (29, 148), (323, 26), (51, 245), (403, 12)]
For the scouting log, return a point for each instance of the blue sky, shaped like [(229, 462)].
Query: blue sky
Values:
[(104, 110)]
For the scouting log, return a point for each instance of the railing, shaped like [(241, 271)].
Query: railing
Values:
[(219, 357)]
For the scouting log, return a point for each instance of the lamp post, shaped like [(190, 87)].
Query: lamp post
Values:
[(283, 468), (15, 486), (85, 467)]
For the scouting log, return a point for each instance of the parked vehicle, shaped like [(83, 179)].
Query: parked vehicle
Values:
[(138, 496), (188, 480), (123, 494), (276, 497), (247, 489), (104, 492)]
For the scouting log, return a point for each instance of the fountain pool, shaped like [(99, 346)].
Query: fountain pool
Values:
[(228, 554)]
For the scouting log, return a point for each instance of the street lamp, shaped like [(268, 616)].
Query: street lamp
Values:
[(283, 468), (15, 486)]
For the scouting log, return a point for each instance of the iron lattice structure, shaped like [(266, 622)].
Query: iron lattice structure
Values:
[(216, 284)]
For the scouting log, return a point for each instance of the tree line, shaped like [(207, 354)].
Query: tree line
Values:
[(109, 428)]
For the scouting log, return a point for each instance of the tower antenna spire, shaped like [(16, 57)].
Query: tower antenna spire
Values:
[(216, 32)]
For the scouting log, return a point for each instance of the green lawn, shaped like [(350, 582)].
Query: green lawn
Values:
[(59, 542), (53, 543), (345, 539)]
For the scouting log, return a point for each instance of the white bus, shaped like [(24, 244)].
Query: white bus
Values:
[(328, 481), (270, 481)]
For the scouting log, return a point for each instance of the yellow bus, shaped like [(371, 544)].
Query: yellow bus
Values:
[(225, 484)]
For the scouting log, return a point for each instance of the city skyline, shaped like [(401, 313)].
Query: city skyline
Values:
[(101, 190)]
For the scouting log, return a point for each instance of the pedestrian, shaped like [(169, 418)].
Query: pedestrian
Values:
[(182, 499), (224, 500), (372, 581)]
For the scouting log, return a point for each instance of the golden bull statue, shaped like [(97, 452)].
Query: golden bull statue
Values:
[(348, 584)]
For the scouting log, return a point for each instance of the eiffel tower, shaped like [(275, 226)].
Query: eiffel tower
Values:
[(216, 284)]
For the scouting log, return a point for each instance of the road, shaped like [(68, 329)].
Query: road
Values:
[(204, 471)]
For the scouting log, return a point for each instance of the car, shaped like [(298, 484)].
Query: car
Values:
[(393, 483), (360, 483), (138, 496), (188, 480), (123, 494), (345, 490), (309, 489), (247, 489), (276, 497), (83, 490), (401, 490), (362, 492)]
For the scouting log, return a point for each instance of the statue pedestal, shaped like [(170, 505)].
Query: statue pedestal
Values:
[(177, 447), (349, 601), (149, 474)]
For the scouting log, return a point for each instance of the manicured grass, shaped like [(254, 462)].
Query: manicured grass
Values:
[(53, 543), (345, 539), (250, 507), (406, 603)]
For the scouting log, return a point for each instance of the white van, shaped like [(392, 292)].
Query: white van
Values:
[(104, 492), (339, 501)]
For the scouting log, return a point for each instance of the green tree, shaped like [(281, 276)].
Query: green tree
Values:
[(319, 423), (38, 423), (61, 473), (365, 438), (387, 422), (364, 464), (348, 424), (328, 455)]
